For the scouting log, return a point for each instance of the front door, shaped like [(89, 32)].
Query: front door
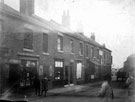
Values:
[(68, 74), (14, 75)]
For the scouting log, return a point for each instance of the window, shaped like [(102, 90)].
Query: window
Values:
[(81, 49), (92, 51), (1, 32), (79, 71), (60, 43), (86, 50), (105, 55), (97, 52), (45, 43), (58, 70), (28, 40), (72, 46)]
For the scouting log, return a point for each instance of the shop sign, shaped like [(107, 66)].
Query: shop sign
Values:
[(14, 61)]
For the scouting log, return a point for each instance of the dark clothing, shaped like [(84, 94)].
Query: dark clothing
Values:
[(37, 86), (44, 85)]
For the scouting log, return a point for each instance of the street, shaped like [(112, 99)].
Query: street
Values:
[(87, 95)]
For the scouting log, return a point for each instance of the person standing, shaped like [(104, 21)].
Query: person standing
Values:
[(130, 83), (106, 91), (44, 85), (37, 85)]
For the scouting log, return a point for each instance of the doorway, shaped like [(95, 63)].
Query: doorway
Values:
[(14, 75), (68, 75)]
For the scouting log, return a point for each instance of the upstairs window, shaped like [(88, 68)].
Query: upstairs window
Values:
[(28, 40), (104, 55), (72, 46), (92, 51), (81, 49), (97, 53), (86, 50), (60, 43), (45, 42)]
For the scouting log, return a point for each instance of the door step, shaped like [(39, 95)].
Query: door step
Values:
[(68, 85)]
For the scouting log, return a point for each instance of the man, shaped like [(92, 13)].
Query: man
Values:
[(37, 85)]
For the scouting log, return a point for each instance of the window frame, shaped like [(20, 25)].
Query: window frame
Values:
[(28, 40), (45, 48), (87, 50), (60, 43), (81, 48), (72, 46)]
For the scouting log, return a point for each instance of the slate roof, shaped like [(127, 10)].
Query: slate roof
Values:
[(51, 25)]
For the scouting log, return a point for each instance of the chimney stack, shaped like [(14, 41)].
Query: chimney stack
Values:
[(66, 19), (27, 7), (92, 36)]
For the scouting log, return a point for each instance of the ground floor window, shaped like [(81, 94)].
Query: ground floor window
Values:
[(58, 70), (28, 71), (79, 70)]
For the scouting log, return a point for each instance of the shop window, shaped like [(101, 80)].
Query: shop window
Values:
[(58, 71), (28, 71)]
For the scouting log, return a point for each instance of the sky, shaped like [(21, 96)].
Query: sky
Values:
[(112, 21)]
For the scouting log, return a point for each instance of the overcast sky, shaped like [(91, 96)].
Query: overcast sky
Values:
[(113, 21)]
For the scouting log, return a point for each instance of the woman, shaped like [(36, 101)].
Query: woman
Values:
[(106, 91)]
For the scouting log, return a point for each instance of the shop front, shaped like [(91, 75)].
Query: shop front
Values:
[(58, 73), (28, 71)]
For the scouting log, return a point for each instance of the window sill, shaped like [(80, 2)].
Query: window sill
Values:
[(87, 57), (61, 51), (81, 55), (45, 53), (29, 50)]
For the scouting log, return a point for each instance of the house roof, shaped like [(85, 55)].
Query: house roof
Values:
[(51, 25)]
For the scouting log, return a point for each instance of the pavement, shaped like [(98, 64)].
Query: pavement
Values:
[(53, 92)]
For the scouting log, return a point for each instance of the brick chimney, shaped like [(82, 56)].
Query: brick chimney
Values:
[(27, 7), (92, 36), (66, 19)]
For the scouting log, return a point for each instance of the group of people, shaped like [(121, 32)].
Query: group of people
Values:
[(40, 85)]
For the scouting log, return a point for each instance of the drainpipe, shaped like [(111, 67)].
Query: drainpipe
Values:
[(69, 75)]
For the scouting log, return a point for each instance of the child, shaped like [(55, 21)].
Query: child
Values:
[(106, 91)]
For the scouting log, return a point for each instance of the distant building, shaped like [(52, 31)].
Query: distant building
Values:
[(129, 64)]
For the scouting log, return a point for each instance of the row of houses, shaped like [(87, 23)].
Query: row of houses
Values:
[(30, 45)]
